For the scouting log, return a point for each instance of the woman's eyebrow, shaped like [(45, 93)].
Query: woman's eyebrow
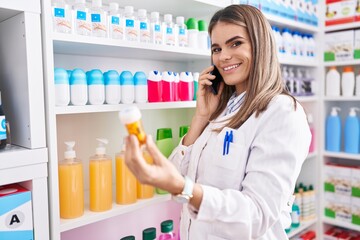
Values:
[(227, 41)]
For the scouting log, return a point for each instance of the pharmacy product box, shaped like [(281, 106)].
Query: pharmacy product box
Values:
[(15, 213), (338, 207), (355, 210), (357, 43), (357, 11), (338, 179), (339, 46), (339, 12), (355, 182)]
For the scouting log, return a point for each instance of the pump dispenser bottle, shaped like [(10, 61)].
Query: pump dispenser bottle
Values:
[(333, 131), (100, 174), (71, 184), (352, 132)]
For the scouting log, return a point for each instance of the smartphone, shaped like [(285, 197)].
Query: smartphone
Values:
[(216, 82)]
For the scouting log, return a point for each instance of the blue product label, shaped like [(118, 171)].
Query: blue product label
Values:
[(169, 30), (95, 17), (59, 12), (143, 25), (115, 20), (157, 28), (80, 15), (182, 31), (129, 23), (2, 128)]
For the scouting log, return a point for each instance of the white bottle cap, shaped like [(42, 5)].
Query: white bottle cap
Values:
[(79, 1), (154, 76), (167, 76), (196, 76), (113, 6), (353, 110), (180, 20), (70, 153), (186, 77), (168, 18), (176, 77), (129, 115), (142, 13), (129, 10), (97, 3), (334, 111), (101, 150), (155, 15)]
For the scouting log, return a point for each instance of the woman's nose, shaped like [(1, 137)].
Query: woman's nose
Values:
[(224, 55)]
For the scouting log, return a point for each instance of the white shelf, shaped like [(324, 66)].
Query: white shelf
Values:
[(341, 224), (303, 99), (91, 217), (342, 99), (14, 156), (106, 47), (298, 62), (303, 226), (342, 155), (9, 8), (118, 107), (341, 27), (283, 22), (342, 63)]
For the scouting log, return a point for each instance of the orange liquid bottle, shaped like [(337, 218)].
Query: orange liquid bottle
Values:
[(71, 185), (145, 191), (100, 174), (125, 181)]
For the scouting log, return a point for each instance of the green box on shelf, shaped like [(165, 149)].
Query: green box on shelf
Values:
[(330, 213), (355, 210), (355, 191), (357, 54), (357, 44), (329, 56), (329, 187)]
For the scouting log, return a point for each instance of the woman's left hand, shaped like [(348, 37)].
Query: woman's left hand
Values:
[(161, 174)]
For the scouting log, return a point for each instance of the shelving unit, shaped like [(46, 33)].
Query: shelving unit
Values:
[(302, 227)]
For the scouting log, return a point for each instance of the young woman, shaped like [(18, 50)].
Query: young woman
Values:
[(237, 166)]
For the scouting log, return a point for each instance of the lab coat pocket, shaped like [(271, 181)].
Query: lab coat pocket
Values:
[(212, 237)]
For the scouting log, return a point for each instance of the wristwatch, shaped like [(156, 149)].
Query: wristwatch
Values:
[(187, 192)]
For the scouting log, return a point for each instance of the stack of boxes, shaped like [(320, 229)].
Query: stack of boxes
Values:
[(342, 46), (341, 11)]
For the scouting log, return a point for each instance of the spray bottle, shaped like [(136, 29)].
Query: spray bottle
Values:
[(100, 174), (352, 132)]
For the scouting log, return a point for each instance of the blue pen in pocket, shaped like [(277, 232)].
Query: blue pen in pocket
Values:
[(230, 140), (226, 139)]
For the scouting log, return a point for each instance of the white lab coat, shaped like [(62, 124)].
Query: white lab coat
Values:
[(247, 194)]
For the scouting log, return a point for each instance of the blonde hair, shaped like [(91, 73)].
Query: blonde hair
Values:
[(265, 81)]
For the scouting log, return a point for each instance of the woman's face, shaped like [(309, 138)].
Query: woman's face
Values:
[(231, 54)]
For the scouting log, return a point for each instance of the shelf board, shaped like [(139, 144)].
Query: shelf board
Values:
[(294, 25), (342, 99), (342, 155), (91, 217), (303, 99), (106, 47), (341, 27), (342, 63), (118, 107), (303, 226), (341, 224), (298, 62), (14, 156), (10, 8)]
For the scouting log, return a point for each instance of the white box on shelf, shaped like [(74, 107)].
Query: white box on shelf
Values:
[(355, 182), (340, 12), (357, 42), (337, 179), (15, 213), (339, 46), (337, 207), (355, 210)]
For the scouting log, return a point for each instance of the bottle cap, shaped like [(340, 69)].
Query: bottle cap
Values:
[(149, 233), (113, 6), (180, 20), (311, 187), (155, 15), (101, 150), (168, 18), (167, 76), (128, 238), (129, 10), (111, 77), (348, 69), (186, 77), (183, 130), (96, 3), (126, 78), (191, 23), (142, 13), (61, 76), (332, 68), (176, 77), (70, 153), (163, 133), (154, 76), (334, 111), (79, 1), (140, 78), (130, 114), (78, 76), (353, 110), (202, 25), (95, 77), (167, 226)]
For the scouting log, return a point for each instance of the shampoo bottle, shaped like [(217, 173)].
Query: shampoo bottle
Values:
[(332, 82), (78, 87), (96, 87), (127, 87), (112, 87), (100, 174), (141, 88), (154, 86), (333, 131), (71, 184), (167, 86), (352, 132), (348, 82)]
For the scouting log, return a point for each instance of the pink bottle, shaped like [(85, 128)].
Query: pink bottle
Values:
[(167, 228), (154, 86), (167, 86), (176, 87), (312, 130), (186, 86)]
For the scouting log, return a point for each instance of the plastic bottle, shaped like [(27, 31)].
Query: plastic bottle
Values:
[(61, 17), (78, 87), (309, 85), (131, 26), (116, 22), (127, 87), (82, 18), (278, 40), (96, 87), (154, 86), (125, 180), (71, 184), (357, 90), (149, 234), (141, 88), (298, 82), (291, 81), (156, 29), (333, 82), (100, 175), (145, 191), (352, 132), (285, 76), (167, 228), (167, 86), (288, 42), (145, 35), (298, 201), (112, 87), (203, 36), (168, 28), (131, 237), (175, 86), (131, 118), (62, 88), (193, 32), (182, 34), (312, 130), (3, 134), (348, 82), (312, 46), (186, 86), (295, 216), (196, 83), (98, 19), (312, 199), (333, 131)]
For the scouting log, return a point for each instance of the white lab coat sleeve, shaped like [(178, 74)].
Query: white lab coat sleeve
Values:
[(180, 157), (277, 152)]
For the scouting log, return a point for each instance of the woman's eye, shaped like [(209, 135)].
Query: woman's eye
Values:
[(237, 43), (215, 50)]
